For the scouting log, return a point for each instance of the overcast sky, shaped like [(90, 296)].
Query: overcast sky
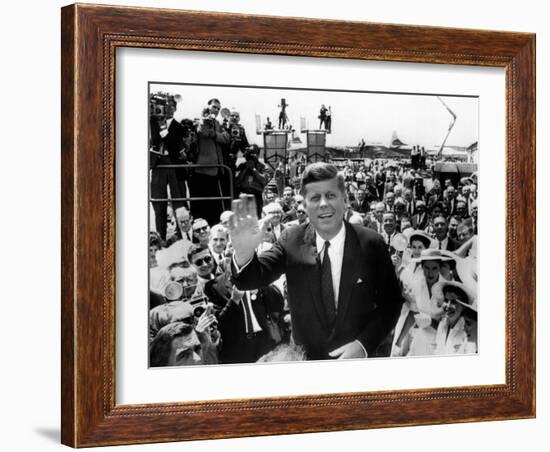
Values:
[(417, 119)]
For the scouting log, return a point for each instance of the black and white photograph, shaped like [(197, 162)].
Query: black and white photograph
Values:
[(294, 224)]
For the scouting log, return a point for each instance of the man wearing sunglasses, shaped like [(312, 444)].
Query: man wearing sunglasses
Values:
[(301, 214), (241, 319), (201, 232)]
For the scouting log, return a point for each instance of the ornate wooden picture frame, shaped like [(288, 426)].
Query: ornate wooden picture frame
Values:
[(90, 38)]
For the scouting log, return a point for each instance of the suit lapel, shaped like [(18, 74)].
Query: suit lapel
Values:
[(312, 273), (349, 274)]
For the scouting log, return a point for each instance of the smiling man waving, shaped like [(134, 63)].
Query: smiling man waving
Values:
[(342, 291)]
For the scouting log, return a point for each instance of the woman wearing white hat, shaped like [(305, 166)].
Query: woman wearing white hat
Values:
[(418, 241), (454, 303), (414, 333)]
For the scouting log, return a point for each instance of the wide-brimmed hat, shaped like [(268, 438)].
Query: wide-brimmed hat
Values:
[(433, 255), (422, 236), (450, 255), (440, 288)]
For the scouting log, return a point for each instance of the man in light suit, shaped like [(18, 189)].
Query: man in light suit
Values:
[(342, 289)]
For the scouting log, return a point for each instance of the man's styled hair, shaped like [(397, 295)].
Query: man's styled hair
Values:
[(389, 212), (182, 211), (274, 206), (219, 228), (320, 171), (159, 350), (437, 205), (214, 99), (195, 248)]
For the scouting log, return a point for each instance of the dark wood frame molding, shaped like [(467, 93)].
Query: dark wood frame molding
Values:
[(90, 36)]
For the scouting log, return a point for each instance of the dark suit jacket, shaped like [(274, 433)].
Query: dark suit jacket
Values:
[(420, 223), (289, 215), (361, 207), (267, 303), (452, 244), (173, 141), (369, 297), (450, 206)]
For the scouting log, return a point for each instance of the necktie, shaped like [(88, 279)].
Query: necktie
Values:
[(247, 314), (439, 245), (221, 264), (327, 290)]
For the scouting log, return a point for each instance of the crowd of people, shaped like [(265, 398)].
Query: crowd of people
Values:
[(226, 288), (218, 151)]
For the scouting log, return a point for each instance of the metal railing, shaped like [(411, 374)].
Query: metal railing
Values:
[(198, 198)]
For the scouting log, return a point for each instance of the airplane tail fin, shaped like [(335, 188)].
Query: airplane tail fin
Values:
[(395, 142)]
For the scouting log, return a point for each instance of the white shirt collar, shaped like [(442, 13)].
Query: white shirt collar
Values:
[(336, 242), (216, 255)]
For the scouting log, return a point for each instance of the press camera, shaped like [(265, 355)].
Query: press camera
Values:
[(162, 105), (199, 304)]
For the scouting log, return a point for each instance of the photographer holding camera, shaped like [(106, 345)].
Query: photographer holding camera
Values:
[(237, 138), (238, 143), (168, 142), (245, 318), (206, 181), (251, 176), (186, 305)]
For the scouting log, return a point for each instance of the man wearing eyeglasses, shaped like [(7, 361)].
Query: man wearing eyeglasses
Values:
[(241, 319), (275, 213), (181, 288), (301, 214), (184, 221), (179, 243), (201, 232)]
